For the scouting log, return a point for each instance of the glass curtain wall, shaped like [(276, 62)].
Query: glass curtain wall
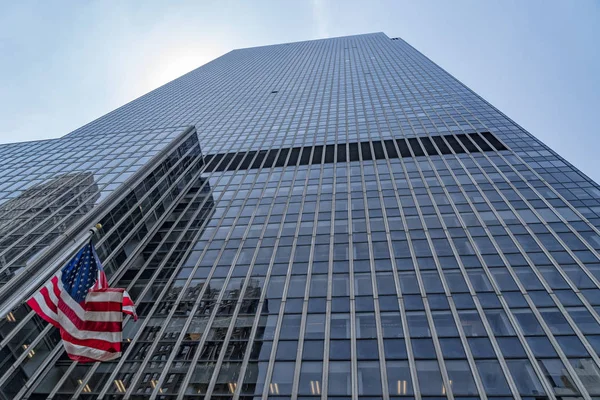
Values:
[(358, 225)]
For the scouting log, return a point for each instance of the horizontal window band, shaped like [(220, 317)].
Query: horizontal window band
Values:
[(368, 150)]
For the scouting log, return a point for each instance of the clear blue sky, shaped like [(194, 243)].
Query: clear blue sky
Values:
[(65, 63)]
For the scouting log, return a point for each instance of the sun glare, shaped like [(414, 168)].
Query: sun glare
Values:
[(175, 62)]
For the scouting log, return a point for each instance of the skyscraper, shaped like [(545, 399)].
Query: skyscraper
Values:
[(337, 218)]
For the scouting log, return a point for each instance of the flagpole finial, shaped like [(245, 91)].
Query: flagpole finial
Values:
[(95, 230)]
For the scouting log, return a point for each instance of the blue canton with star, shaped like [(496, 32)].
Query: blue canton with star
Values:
[(80, 274)]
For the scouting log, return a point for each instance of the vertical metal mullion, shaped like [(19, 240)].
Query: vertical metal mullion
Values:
[(304, 318), (301, 339), (492, 338), (257, 319), (227, 338), (411, 359), (481, 314), (328, 310), (403, 317), (269, 373), (377, 310), (436, 343), (272, 360)]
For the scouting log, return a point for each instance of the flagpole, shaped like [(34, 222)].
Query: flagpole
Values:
[(45, 275)]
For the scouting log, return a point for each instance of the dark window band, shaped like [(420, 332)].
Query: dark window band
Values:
[(369, 150)]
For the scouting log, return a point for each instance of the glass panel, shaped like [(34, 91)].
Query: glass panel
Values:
[(499, 322), (430, 378), (525, 378), (588, 373), (471, 323), (369, 378), (310, 378), (460, 378), (492, 377), (398, 376), (340, 378), (283, 378), (558, 377)]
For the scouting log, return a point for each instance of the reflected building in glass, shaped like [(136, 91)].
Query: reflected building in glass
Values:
[(332, 219), (42, 207)]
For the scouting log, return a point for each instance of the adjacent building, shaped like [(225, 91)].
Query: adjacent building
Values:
[(331, 219)]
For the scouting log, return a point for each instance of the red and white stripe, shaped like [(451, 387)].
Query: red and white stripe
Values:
[(45, 301), (91, 330)]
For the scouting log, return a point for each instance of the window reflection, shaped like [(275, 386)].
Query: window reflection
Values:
[(589, 374), (283, 378), (525, 378), (399, 378), (369, 378), (310, 378), (430, 378), (558, 377), (460, 378), (340, 378), (492, 377)]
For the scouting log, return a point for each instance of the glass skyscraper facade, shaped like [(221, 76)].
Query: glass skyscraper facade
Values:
[(332, 219)]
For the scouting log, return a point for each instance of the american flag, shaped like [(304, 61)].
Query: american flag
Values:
[(89, 314)]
